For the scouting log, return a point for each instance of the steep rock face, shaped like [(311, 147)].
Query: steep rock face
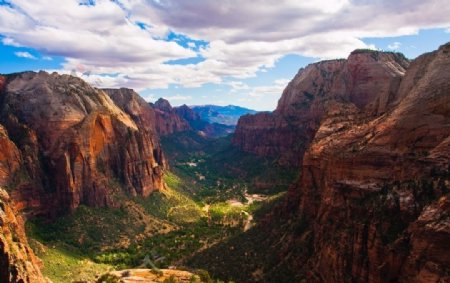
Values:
[(18, 264), (374, 192), (135, 106), (368, 79), (74, 141), (10, 158), (167, 120), (142, 114), (187, 113)]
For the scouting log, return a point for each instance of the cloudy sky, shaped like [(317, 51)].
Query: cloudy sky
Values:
[(223, 52)]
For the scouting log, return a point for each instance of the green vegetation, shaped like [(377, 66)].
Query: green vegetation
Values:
[(173, 203), (63, 263), (207, 200), (216, 171)]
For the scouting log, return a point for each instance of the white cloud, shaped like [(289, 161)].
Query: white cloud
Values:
[(274, 89), (394, 46), (244, 36), (178, 97), (24, 54), (237, 86), (150, 97)]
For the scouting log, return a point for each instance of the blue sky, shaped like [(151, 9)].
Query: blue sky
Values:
[(237, 54)]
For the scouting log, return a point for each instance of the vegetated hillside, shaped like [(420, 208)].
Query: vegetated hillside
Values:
[(188, 215), (193, 156), (373, 202), (226, 115)]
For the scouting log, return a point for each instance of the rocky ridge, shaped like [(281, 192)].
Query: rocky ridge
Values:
[(375, 185), (167, 119), (367, 79), (372, 200), (72, 140), (171, 120)]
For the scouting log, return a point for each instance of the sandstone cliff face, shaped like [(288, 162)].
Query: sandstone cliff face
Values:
[(10, 158), (187, 113), (142, 114), (18, 264), (73, 142), (374, 192), (368, 79), (167, 120)]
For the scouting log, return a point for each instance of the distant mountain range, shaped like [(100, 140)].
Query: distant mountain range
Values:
[(170, 120), (227, 115)]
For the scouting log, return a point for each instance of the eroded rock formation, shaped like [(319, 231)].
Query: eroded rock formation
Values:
[(74, 142), (367, 79), (167, 119), (18, 264), (375, 182)]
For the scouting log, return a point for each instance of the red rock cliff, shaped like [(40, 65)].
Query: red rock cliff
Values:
[(17, 261), (74, 142), (368, 79), (142, 114), (167, 119), (374, 191)]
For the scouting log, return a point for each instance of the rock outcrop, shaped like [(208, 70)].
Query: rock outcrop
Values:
[(149, 275), (375, 182), (167, 119), (73, 142), (368, 79), (372, 201), (18, 264), (142, 114), (187, 113)]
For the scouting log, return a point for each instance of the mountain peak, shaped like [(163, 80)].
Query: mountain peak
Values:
[(163, 104)]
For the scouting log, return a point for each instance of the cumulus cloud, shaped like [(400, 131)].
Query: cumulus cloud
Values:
[(274, 89), (394, 46), (262, 97), (178, 97), (124, 42), (24, 54)]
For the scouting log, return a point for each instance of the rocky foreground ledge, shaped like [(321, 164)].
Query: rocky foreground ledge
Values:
[(153, 276)]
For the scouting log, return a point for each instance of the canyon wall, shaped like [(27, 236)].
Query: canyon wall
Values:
[(18, 264), (368, 79), (72, 144), (167, 119), (375, 187)]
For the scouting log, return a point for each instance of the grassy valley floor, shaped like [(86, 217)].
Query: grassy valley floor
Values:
[(213, 193)]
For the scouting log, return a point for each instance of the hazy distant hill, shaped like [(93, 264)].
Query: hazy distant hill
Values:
[(228, 115)]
